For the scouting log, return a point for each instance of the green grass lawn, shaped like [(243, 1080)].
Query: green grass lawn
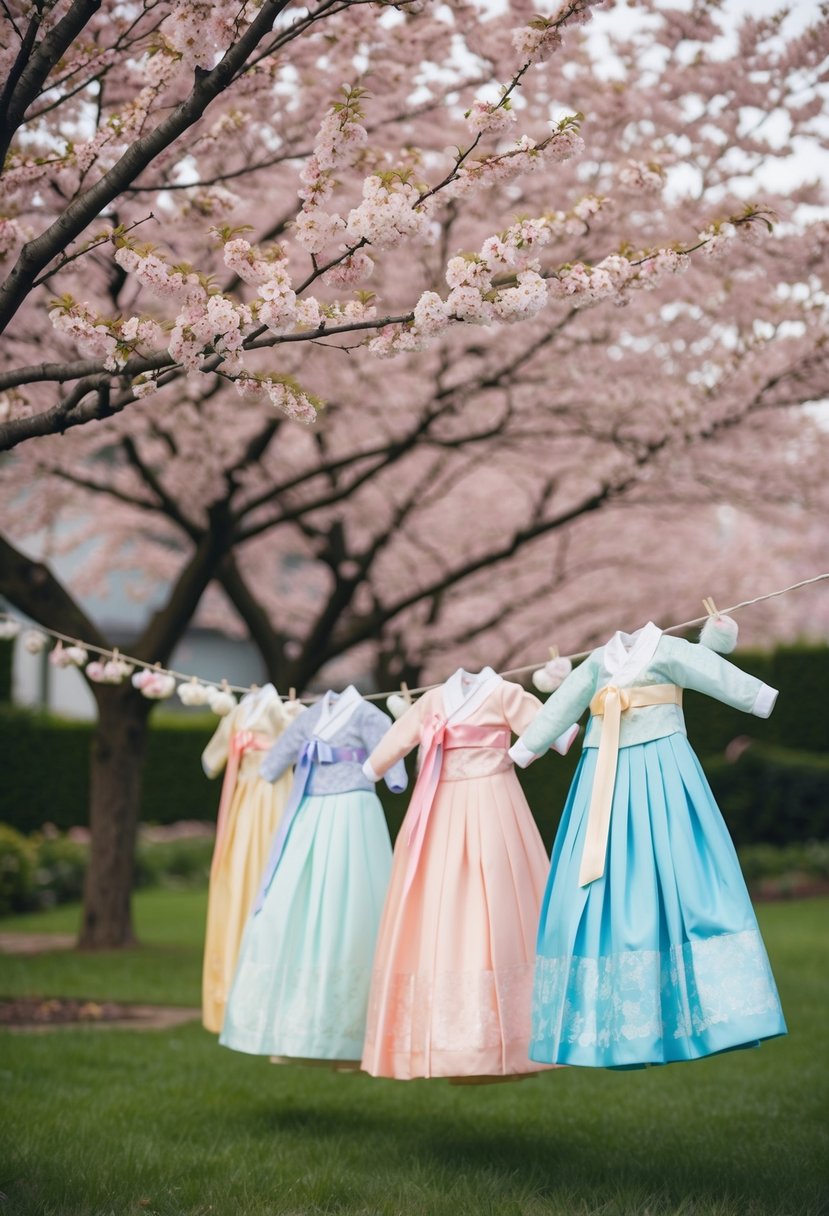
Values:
[(118, 1123), (164, 969)]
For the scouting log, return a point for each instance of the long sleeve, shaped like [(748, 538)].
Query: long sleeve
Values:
[(520, 708), (397, 742), (694, 666), (284, 752), (214, 756), (563, 708), (375, 727)]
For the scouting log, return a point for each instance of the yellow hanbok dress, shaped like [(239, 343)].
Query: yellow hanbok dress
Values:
[(250, 809)]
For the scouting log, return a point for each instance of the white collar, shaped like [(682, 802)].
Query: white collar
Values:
[(252, 702), (626, 654), (336, 711), (464, 691)]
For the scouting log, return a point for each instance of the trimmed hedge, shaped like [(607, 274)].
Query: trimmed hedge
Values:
[(46, 771), (777, 791), (774, 795), (770, 795), (6, 653)]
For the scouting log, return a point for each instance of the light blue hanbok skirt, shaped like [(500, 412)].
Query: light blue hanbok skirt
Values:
[(660, 959), (302, 981)]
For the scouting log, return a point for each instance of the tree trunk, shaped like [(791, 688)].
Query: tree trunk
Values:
[(119, 745)]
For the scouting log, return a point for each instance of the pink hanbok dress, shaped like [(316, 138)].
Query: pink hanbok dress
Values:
[(452, 979)]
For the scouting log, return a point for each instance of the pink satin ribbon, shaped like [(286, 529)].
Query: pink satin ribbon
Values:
[(243, 741), (439, 736)]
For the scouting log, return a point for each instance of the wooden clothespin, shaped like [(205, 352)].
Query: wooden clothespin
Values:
[(291, 694), (404, 692), (719, 633), (554, 653)]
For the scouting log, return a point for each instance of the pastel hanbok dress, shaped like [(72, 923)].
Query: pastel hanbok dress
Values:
[(450, 994), (250, 809), (648, 947), (301, 987)]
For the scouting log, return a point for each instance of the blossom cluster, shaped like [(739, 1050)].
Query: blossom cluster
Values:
[(350, 270), (490, 118), (197, 32), (276, 303), (338, 143), (517, 246), (536, 41), (218, 323), (180, 283), (526, 156), (648, 178), (91, 335), (522, 301), (283, 392), (314, 228), (390, 212), (615, 277), (717, 239)]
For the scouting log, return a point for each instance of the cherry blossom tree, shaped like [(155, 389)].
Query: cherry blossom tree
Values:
[(565, 325)]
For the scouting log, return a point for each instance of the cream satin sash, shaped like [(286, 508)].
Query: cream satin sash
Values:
[(610, 703)]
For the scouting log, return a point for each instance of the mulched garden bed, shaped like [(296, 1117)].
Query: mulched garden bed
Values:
[(51, 1013)]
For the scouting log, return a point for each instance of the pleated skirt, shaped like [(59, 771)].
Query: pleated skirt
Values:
[(301, 987), (253, 816), (660, 959), (452, 984)]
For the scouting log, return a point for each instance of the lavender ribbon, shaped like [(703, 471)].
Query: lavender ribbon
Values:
[(313, 751)]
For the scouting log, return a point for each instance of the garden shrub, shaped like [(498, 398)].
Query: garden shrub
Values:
[(60, 865), (48, 868), (173, 863), (16, 866), (760, 861)]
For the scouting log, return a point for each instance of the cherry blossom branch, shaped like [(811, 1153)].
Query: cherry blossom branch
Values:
[(595, 285), (324, 11), (21, 90), (37, 254), (95, 243), (122, 43)]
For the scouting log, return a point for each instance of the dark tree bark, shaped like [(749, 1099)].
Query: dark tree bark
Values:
[(119, 746)]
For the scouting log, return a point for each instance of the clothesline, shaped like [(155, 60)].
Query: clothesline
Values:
[(185, 678)]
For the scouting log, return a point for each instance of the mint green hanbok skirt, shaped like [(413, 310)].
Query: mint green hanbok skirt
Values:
[(661, 958), (302, 981)]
